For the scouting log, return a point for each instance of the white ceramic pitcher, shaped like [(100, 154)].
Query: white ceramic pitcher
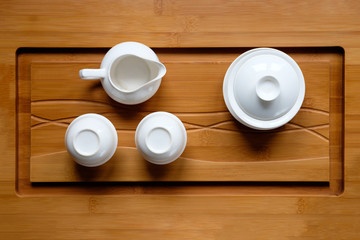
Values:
[(130, 73)]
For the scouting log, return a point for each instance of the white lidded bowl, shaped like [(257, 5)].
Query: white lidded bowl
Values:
[(160, 138), (264, 88), (91, 139)]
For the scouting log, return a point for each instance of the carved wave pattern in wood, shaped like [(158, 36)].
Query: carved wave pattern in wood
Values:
[(218, 131)]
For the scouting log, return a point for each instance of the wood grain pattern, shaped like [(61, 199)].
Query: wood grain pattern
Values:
[(218, 149), (169, 210)]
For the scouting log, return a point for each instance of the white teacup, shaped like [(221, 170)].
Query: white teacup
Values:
[(91, 140), (130, 73), (160, 138)]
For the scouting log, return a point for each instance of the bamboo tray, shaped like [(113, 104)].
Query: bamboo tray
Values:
[(307, 149), (45, 43)]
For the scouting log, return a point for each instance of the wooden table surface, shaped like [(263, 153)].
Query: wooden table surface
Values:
[(236, 210)]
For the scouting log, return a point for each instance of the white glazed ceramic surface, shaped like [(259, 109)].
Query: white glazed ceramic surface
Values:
[(264, 88), (160, 138), (130, 73), (91, 139)]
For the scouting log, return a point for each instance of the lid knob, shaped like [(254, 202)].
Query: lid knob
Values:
[(268, 88)]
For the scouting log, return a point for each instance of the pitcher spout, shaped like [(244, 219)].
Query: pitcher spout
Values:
[(157, 70)]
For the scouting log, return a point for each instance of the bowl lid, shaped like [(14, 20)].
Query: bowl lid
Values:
[(264, 88)]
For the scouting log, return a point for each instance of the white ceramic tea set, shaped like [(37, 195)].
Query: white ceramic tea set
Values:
[(263, 89)]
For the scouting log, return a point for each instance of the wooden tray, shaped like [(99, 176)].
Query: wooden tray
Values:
[(51, 95), (181, 210)]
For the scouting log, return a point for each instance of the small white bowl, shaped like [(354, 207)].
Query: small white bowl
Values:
[(160, 138), (264, 88), (91, 139)]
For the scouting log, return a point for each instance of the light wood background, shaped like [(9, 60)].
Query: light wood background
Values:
[(73, 211)]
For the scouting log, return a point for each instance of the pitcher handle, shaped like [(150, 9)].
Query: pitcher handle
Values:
[(92, 73)]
